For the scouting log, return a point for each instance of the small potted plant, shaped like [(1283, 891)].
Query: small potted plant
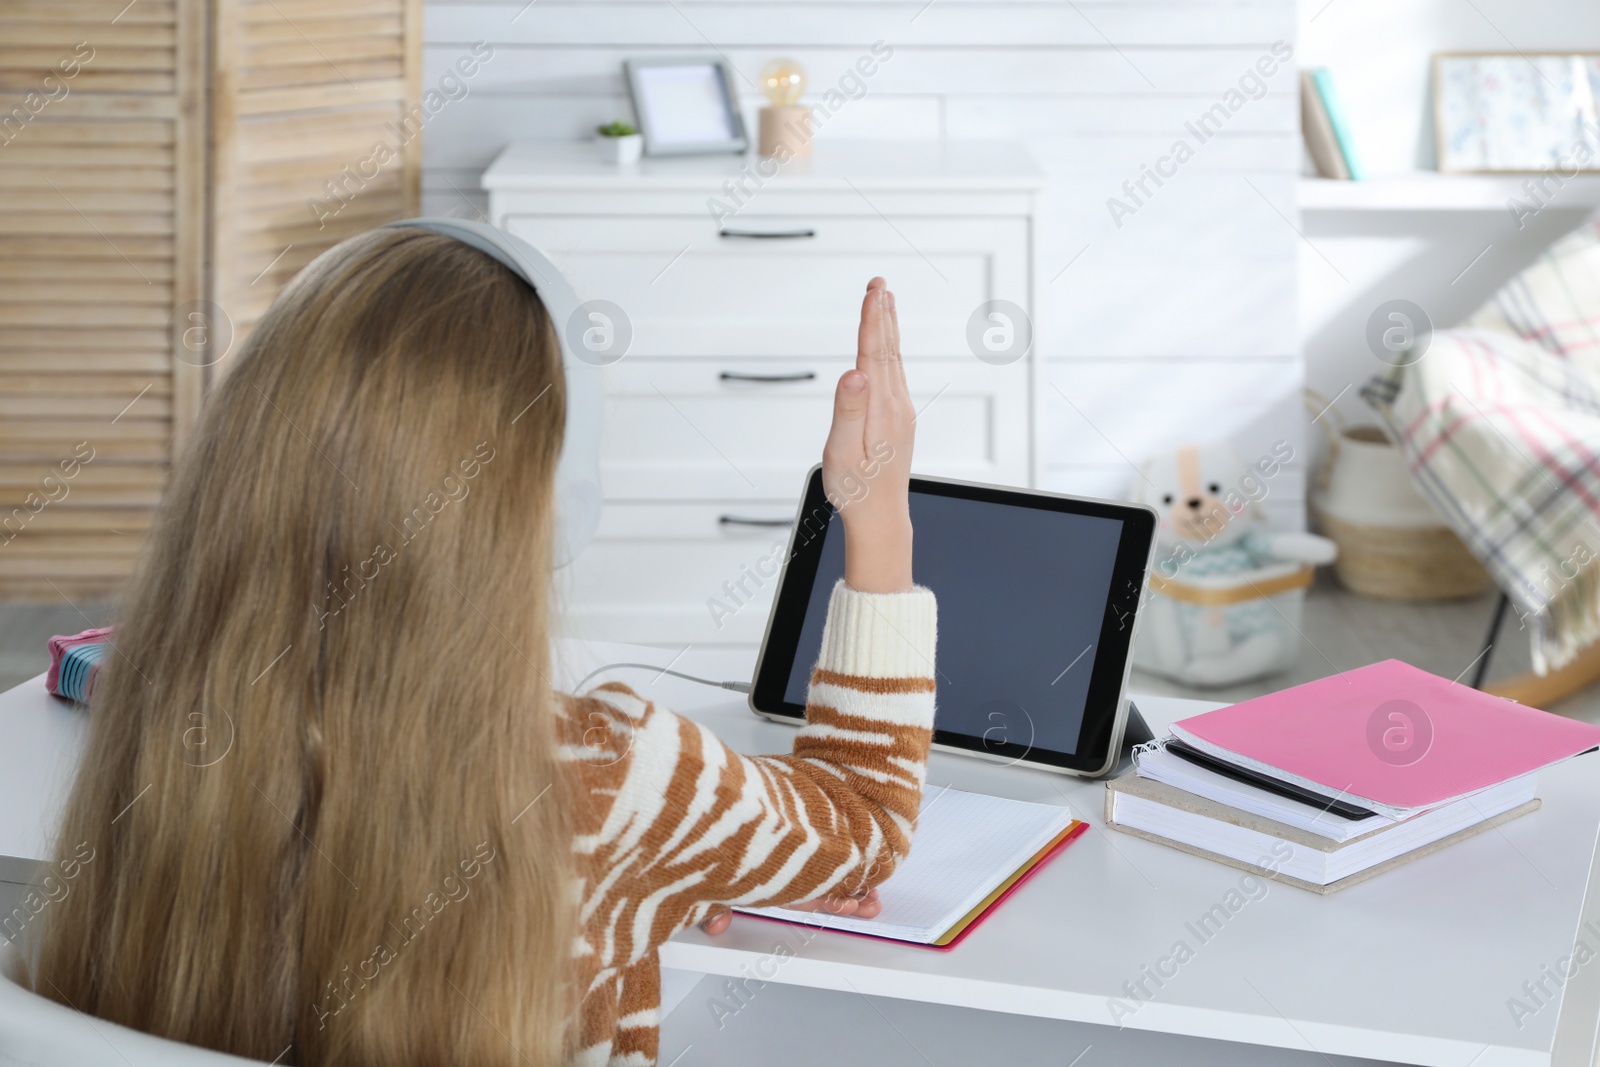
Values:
[(619, 142)]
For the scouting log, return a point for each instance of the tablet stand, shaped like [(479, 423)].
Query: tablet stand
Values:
[(1135, 732)]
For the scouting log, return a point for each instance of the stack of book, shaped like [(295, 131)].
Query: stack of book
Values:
[(1329, 783)]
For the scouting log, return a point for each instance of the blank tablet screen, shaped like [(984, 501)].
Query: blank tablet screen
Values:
[(1023, 596)]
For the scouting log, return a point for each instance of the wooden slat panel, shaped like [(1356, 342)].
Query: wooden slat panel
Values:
[(77, 495), (88, 271), (74, 336), (92, 202), (311, 87), (81, 106), (111, 224), (413, 34), (90, 359), (66, 294), (93, 79), (297, 51), (53, 519), (87, 12), (62, 35), (151, 60), (344, 136), (192, 240), (301, 229), (289, 171), (144, 179), (100, 533), (260, 195), (315, 97), (287, 266), (46, 129), (114, 315), (255, 11), (94, 476), (30, 590), (351, 70), (137, 249), (14, 564), (100, 236), (75, 382), (386, 24), (22, 154), (109, 553), (86, 405), (97, 431), (44, 449)]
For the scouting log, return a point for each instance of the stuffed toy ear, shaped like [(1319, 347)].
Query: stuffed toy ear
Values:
[(1140, 493)]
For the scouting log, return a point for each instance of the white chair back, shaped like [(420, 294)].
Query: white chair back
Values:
[(37, 1031)]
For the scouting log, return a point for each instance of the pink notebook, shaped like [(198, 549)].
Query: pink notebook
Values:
[(1389, 736)]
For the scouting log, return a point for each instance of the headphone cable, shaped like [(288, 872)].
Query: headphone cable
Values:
[(737, 687)]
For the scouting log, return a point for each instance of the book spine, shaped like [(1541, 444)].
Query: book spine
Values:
[(1340, 123), (1321, 145)]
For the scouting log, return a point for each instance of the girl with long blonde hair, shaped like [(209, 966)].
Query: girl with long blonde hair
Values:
[(337, 812)]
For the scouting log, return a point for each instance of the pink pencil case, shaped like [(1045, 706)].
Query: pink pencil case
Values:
[(75, 663)]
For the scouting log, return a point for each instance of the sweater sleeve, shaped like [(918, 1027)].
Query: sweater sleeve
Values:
[(671, 822)]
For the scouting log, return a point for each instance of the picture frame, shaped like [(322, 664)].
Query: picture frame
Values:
[(686, 105), (1511, 113)]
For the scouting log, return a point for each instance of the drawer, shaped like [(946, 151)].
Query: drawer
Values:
[(654, 570), (750, 429), (786, 285)]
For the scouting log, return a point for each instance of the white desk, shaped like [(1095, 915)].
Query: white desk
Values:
[(1416, 966)]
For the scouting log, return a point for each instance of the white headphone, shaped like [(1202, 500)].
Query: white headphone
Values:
[(578, 497)]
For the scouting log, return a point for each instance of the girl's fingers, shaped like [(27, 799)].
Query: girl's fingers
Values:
[(717, 921), (865, 905), (898, 364), (870, 337), (892, 318), (847, 437)]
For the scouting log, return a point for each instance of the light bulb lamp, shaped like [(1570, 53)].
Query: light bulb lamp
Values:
[(785, 124)]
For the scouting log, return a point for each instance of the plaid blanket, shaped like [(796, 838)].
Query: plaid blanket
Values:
[(1500, 420)]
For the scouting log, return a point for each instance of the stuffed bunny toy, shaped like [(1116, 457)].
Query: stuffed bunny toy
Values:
[(1210, 529)]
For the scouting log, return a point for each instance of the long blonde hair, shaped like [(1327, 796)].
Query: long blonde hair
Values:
[(320, 795)]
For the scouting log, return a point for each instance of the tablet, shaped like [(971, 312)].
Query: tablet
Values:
[(1038, 597)]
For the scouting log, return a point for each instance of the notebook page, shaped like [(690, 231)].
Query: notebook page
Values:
[(966, 845)]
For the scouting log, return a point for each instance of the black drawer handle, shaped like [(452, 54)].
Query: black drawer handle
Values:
[(736, 520), (767, 235), (738, 376)]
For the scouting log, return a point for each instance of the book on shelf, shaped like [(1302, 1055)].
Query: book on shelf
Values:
[(1338, 122), (1321, 143)]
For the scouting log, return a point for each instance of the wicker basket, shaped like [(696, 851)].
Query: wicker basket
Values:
[(1392, 544), (1403, 562)]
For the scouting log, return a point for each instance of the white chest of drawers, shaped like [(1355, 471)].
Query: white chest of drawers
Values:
[(740, 282)]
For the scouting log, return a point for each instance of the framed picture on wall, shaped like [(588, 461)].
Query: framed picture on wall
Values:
[(1517, 113), (685, 106)]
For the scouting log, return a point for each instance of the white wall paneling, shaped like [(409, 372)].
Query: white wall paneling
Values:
[(740, 327), (1185, 312), (1094, 436)]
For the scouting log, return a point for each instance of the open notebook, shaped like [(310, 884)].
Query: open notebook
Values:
[(970, 851)]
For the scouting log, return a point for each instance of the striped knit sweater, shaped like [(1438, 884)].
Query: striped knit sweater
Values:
[(670, 822)]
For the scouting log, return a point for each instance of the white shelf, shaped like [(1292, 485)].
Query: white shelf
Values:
[(1425, 191), (846, 165)]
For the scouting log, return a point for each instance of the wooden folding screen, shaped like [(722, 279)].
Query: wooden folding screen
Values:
[(165, 166)]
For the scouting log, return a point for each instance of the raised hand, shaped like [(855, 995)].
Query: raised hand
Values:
[(866, 463)]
